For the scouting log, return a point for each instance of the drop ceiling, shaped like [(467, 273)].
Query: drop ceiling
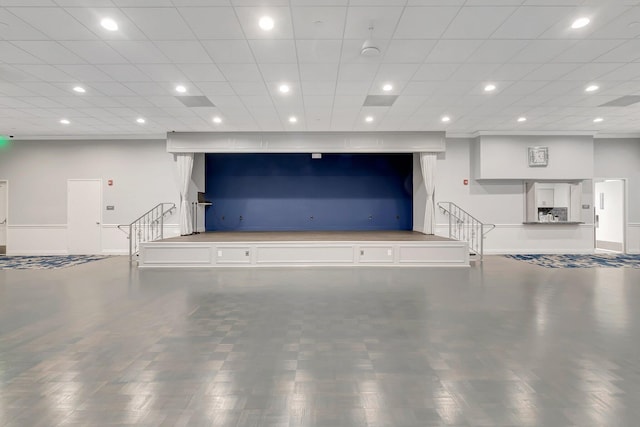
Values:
[(437, 54)]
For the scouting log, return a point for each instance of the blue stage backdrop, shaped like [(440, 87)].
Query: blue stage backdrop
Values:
[(269, 192)]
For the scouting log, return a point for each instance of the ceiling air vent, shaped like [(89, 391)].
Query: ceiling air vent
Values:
[(624, 101), (380, 100), (195, 101)]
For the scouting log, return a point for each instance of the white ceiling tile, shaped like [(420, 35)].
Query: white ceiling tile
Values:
[(625, 72), (315, 23), (111, 89), (49, 52), (420, 88), (163, 73), (475, 72), (125, 73), (497, 51), (391, 72), (357, 72), (627, 52), (352, 88), (147, 88), (451, 51), (408, 51), (139, 52), (202, 72), (211, 23), (54, 22), (513, 71), (318, 51), (541, 51), (318, 72), (241, 72), (551, 71), (435, 71), (187, 52), (530, 22), (215, 88), (587, 50), (249, 17), (12, 54), (477, 22), (318, 87), (160, 23), (424, 22), (273, 51), (43, 89), (85, 73), (17, 29), (280, 72), (359, 19), (94, 52), (229, 51), (250, 89), (589, 72), (47, 73)]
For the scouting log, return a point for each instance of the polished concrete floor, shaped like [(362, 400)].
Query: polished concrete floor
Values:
[(508, 344)]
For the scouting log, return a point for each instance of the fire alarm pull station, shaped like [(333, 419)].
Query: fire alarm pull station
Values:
[(110, 182), (465, 182)]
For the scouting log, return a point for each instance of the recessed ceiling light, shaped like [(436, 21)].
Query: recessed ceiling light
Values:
[(109, 24), (580, 22), (79, 89), (490, 88), (592, 88), (140, 120), (368, 119), (293, 119), (217, 120), (598, 120), (65, 121), (181, 89), (284, 88), (446, 119), (387, 87), (266, 23), (522, 119)]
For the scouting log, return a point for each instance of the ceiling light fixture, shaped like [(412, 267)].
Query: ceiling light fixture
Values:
[(580, 23), (592, 88), (369, 47), (181, 89), (368, 119), (522, 119), (598, 120), (109, 24), (446, 119), (266, 23), (79, 89), (65, 122), (217, 120), (387, 87), (284, 88), (490, 88), (293, 119), (140, 120)]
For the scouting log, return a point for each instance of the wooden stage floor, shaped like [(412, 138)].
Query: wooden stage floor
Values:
[(308, 236)]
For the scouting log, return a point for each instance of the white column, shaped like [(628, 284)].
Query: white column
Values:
[(428, 167), (184, 162)]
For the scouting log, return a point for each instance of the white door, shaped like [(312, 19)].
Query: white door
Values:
[(610, 219), (84, 216), (3, 217)]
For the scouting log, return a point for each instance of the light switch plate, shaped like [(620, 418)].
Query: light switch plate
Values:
[(111, 208), (586, 206)]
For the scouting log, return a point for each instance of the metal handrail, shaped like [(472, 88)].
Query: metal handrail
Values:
[(147, 227), (464, 226)]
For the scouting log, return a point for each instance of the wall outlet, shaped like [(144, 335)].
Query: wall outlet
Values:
[(111, 208)]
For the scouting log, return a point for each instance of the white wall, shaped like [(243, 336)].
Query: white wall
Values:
[(142, 171), (500, 202), (620, 158), (506, 157)]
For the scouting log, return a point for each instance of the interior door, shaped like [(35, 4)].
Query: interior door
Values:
[(84, 216), (609, 209), (3, 217)]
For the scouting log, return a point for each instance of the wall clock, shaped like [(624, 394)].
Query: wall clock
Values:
[(538, 156)]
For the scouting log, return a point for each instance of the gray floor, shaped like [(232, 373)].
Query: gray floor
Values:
[(509, 344)]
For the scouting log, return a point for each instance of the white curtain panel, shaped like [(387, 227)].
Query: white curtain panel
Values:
[(428, 166), (185, 167)]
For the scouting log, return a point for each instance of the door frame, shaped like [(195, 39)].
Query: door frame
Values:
[(625, 210), (6, 205), (99, 180)]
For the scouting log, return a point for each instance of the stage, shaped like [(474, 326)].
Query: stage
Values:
[(304, 248)]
